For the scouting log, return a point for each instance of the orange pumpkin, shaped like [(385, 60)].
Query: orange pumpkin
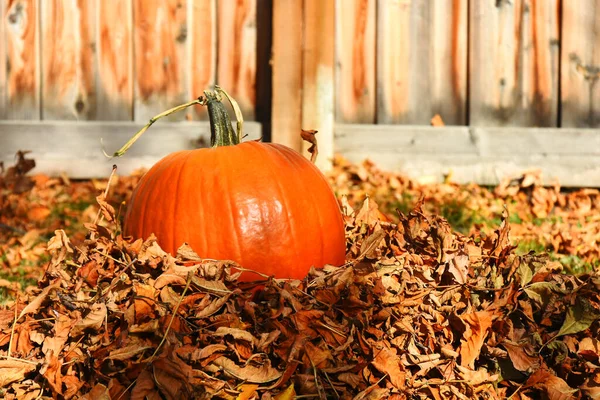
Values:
[(262, 205)]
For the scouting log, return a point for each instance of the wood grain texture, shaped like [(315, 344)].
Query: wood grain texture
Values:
[(355, 61), (202, 25), (286, 62), (236, 70), (23, 59), (481, 155), (318, 97), (421, 61), (160, 36), (580, 64), (74, 147), (68, 67), (115, 60), (514, 54), (3, 81)]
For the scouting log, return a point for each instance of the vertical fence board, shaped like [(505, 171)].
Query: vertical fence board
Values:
[(580, 68), (23, 60), (421, 61), (514, 63), (355, 55), (286, 114), (318, 75), (160, 35), (202, 26), (114, 46), (3, 89), (68, 68), (236, 71)]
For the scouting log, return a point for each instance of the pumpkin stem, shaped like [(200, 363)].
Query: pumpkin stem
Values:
[(221, 130)]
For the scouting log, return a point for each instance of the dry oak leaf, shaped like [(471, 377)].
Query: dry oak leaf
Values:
[(13, 370), (478, 323)]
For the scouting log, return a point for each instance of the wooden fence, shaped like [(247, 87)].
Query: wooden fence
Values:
[(327, 65)]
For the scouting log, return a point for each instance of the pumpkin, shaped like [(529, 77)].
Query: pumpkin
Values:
[(262, 205)]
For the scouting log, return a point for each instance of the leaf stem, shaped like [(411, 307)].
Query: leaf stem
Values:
[(130, 142)]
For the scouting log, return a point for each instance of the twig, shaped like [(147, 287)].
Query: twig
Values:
[(12, 329), (12, 228)]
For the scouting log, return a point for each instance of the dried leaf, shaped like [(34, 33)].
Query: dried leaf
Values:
[(309, 136), (478, 325), (14, 371), (387, 362), (248, 373)]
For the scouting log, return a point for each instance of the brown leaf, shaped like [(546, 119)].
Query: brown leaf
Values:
[(93, 320), (53, 374), (478, 323), (387, 361), (309, 136), (555, 387), (98, 392), (129, 351), (14, 371), (370, 245), (173, 377), (59, 246), (520, 359), (369, 213), (54, 344), (248, 373), (35, 304)]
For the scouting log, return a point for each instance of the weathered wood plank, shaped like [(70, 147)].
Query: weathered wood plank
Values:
[(236, 70), (580, 64), (202, 26), (160, 57), (115, 60), (75, 148), (421, 61), (23, 59), (513, 77), (482, 155), (3, 80), (286, 112), (318, 97), (355, 61), (68, 67)]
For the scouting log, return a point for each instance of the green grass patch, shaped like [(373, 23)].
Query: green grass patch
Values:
[(18, 275)]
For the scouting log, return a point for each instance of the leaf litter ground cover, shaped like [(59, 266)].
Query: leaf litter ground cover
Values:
[(420, 310)]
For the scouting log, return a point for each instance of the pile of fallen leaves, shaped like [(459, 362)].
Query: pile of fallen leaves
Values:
[(419, 311), (563, 222)]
